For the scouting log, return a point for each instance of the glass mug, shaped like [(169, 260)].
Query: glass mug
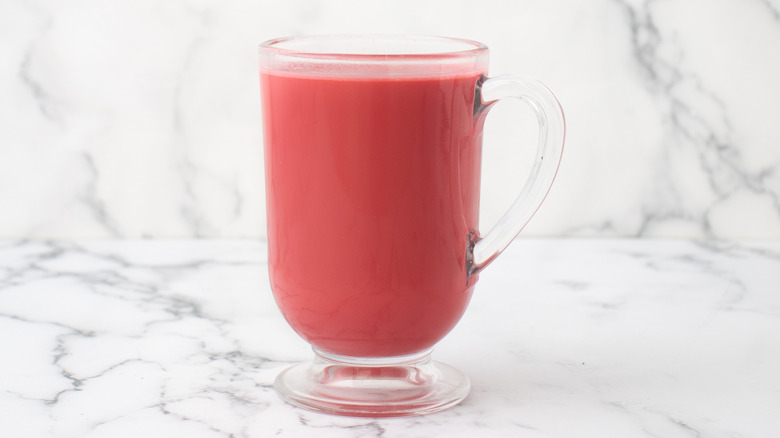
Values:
[(372, 161)]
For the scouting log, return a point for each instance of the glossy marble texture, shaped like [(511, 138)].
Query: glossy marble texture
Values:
[(574, 338), (137, 119)]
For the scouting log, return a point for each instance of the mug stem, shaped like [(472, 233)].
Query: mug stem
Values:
[(373, 387)]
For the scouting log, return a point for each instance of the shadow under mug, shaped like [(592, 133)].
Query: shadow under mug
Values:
[(372, 161)]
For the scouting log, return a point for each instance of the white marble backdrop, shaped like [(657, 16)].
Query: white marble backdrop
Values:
[(131, 118)]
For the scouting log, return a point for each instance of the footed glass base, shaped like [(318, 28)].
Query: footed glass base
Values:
[(373, 387)]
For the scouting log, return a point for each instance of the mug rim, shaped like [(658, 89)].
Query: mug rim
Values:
[(277, 46), (373, 55)]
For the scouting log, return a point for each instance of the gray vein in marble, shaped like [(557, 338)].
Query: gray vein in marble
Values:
[(37, 91), (662, 76), (58, 353), (102, 277), (711, 139), (605, 227), (92, 200), (685, 427), (573, 285), (190, 210), (650, 421), (652, 217), (58, 249), (773, 9), (369, 428), (39, 94), (189, 174), (175, 305), (163, 408), (46, 104)]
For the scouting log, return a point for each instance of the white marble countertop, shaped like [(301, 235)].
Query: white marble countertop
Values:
[(564, 338)]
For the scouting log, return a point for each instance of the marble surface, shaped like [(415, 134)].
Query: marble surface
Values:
[(141, 118), (564, 338)]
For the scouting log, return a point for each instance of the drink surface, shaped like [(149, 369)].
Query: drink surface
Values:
[(372, 191)]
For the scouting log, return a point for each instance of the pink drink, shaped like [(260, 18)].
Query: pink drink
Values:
[(372, 195)]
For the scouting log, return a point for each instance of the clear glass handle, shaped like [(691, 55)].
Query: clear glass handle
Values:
[(548, 155)]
